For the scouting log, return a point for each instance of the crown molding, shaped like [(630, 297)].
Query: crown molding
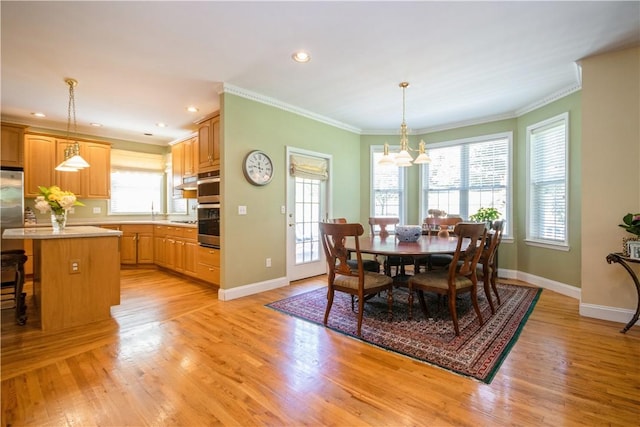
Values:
[(272, 102), (549, 99)]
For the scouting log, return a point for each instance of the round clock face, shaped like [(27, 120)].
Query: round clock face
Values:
[(258, 168)]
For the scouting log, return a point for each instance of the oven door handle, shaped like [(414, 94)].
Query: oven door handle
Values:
[(208, 180), (209, 206)]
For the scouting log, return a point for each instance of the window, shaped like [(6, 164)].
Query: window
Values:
[(388, 196), (547, 145), (136, 182), (465, 175)]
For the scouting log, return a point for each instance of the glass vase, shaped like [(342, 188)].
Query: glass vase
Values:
[(58, 221)]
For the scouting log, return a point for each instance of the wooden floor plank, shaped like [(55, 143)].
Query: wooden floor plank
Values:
[(173, 354)]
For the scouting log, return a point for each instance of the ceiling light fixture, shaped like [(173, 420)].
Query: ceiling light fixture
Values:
[(301, 57), (38, 114), (161, 125), (403, 158), (72, 162), (192, 109)]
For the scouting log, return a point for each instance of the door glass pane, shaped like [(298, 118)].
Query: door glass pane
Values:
[(307, 218)]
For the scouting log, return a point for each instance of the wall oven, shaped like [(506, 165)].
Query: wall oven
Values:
[(209, 225), (209, 187)]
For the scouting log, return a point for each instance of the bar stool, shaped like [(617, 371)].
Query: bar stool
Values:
[(13, 283)]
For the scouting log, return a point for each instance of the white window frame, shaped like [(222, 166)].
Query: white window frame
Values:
[(507, 214), (402, 178), (537, 240)]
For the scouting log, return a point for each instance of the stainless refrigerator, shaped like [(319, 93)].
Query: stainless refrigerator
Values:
[(11, 205)]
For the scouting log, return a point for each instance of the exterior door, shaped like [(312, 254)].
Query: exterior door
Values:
[(307, 205)]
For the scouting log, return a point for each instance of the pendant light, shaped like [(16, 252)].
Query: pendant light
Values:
[(72, 162), (404, 158)]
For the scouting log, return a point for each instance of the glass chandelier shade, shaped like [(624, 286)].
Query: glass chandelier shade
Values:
[(72, 162), (404, 158)]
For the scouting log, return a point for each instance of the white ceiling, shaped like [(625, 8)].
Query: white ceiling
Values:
[(139, 63)]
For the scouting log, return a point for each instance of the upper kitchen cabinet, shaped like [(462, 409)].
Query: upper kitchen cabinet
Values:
[(93, 182), (39, 163), (190, 157), (12, 149), (209, 144), (42, 153), (177, 168)]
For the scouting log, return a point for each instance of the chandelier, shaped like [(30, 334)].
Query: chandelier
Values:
[(403, 158), (72, 162)]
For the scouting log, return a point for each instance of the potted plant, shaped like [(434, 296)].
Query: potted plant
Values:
[(631, 223), (487, 215)]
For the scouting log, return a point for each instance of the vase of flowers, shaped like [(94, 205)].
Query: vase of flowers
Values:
[(58, 202)]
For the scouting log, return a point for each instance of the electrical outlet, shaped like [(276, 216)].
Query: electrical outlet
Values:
[(74, 266), (97, 210), (283, 209), (242, 210), (268, 262)]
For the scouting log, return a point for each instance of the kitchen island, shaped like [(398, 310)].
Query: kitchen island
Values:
[(76, 273)]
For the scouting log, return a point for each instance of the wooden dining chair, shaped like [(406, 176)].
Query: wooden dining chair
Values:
[(488, 264), (368, 264), (439, 226), (390, 261), (13, 283), (459, 277), (341, 277)]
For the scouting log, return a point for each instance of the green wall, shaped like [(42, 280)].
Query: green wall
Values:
[(249, 239)]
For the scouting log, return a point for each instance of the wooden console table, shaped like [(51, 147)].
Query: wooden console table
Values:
[(617, 257)]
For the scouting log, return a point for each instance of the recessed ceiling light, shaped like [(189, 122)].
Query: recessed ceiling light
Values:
[(161, 125), (38, 114), (192, 109), (97, 125), (148, 134), (301, 56)]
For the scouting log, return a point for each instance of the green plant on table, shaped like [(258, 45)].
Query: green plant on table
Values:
[(631, 223), (485, 215)]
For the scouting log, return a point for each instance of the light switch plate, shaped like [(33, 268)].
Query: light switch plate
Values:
[(242, 210)]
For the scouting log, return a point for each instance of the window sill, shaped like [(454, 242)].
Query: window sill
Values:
[(557, 247)]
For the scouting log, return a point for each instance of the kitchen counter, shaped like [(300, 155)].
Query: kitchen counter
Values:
[(70, 232), (76, 273), (80, 223)]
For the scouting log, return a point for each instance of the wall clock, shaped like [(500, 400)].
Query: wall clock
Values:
[(257, 168)]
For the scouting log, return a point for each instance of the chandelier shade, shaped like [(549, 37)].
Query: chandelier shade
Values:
[(72, 162), (404, 157)]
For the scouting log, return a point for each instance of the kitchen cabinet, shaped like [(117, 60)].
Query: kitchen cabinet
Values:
[(93, 182), (136, 245), (39, 163), (208, 266), (12, 148), (177, 169), (190, 157), (175, 248), (209, 144)]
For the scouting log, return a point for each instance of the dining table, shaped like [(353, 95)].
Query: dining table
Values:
[(391, 246)]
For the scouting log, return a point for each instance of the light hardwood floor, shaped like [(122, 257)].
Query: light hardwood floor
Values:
[(174, 355)]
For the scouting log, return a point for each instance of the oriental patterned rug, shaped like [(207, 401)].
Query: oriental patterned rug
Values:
[(477, 353)]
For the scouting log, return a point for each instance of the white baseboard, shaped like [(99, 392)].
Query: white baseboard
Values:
[(253, 288), (602, 312)]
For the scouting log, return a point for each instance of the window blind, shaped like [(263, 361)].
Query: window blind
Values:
[(387, 189), (308, 167), (136, 182), (547, 181)]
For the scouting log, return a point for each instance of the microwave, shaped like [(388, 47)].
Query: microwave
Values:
[(209, 187)]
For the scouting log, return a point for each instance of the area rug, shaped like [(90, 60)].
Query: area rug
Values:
[(477, 352)]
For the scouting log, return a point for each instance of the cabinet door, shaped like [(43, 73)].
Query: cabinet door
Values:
[(190, 258), (215, 142), (204, 146), (170, 252), (177, 168), (159, 250), (190, 157), (12, 148), (128, 246), (179, 256), (145, 248), (96, 179), (39, 163)]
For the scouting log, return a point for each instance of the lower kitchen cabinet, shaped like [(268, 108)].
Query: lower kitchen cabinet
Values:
[(136, 243), (208, 266), (175, 248)]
